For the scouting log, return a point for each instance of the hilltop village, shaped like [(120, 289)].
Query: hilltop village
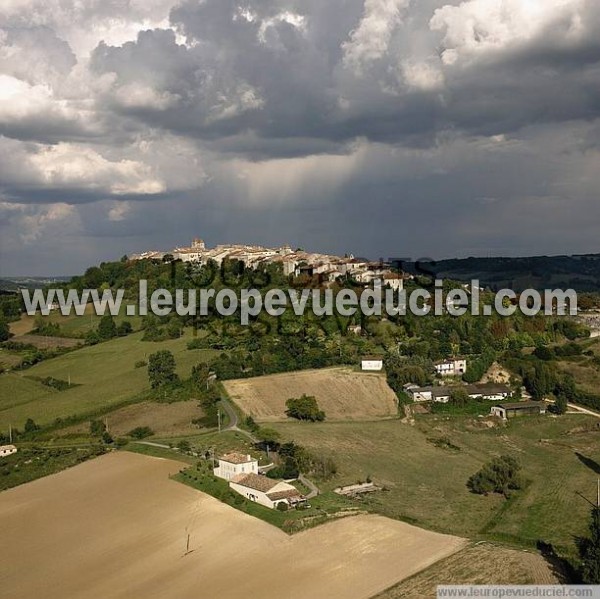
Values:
[(294, 262)]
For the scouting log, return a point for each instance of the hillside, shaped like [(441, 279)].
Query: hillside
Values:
[(102, 376), (581, 273)]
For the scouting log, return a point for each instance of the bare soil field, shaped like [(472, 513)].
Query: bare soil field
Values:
[(23, 325), (478, 564), (163, 418), (342, 393), (116, 527)]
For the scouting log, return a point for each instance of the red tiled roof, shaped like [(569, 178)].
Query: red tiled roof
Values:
[(255, 481), (237, 458)]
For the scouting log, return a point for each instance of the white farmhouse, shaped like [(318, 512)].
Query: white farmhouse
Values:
[(235, 464), (372, 363), (7, 450), (452, 367), (266, 491), (442, 393)]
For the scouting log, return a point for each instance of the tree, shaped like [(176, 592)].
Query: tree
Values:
[(46, 328), (174, 329), (560, 405), (294, 459), (141, 432), (92, 338), (498, 476), (184, 446), (589, 551), (93, 277), (124, 329), (459, 397), (161, 369), (4, 330), (540, 381), (199, 375), (107, 329), (97, 428), (251, 424), (31, 426), (544, 353), (268, 437), (304, 408), (287, 470)]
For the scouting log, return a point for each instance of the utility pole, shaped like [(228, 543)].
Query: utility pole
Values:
[(10, 433), (219, 419)]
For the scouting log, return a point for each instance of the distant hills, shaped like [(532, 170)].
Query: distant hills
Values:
[(15, 283), (579, 272)]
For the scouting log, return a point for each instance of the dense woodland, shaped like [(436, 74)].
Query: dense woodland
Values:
[(409, 344)]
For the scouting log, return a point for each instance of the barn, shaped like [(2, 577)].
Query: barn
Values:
[(520, 408)]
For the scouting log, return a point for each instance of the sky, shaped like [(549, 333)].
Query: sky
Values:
[(383, 128)]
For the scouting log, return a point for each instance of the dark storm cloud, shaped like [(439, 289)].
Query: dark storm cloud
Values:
[(424, 127), (247, 69)]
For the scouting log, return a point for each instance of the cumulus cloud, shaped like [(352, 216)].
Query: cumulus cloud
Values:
[(370, 40), (84, 24), (35, 112), (35, 54), (478, 27), (66, 165)]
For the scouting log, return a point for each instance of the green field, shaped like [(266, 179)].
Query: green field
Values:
[(105, 376), (426, 484), (73, 325)]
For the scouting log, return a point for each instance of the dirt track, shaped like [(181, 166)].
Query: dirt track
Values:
[(341, 392), (116, 527)]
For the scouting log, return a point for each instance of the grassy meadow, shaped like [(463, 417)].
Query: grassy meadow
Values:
[(426, 484), (73, 325), (103, 376)]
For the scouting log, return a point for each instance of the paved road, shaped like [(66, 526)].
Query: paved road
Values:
[(314, 490), (234, 420), (231, 414), (233, 426), (161, 445)]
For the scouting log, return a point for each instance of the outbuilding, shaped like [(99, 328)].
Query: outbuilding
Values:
[(372, 363), (519, 408), (266, 491), (6, 450)]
